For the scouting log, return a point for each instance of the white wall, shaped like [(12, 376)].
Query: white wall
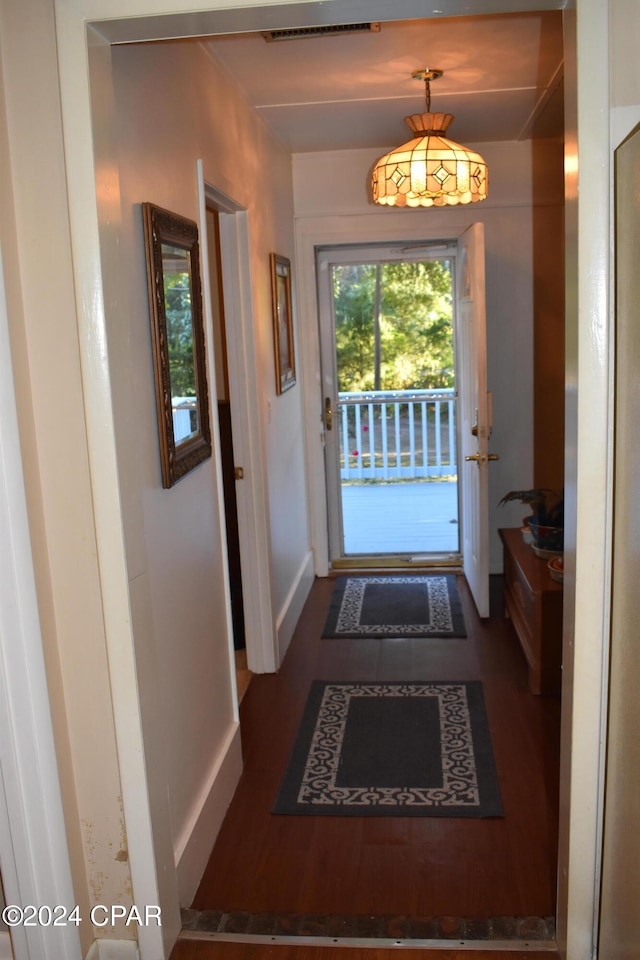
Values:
[(332, 204), (172, 106)]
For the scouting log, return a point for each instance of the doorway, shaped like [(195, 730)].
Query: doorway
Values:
[(228, 468), (580, 741), (387, 335), (351, 295), (233, 356), (225, 424)]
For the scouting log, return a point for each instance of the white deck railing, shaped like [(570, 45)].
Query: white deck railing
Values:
[(183, 410), (397, 434)]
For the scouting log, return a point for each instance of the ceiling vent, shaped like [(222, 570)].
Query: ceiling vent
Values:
[(330, 30)]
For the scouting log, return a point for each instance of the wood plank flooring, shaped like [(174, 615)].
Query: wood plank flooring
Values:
[(415, 866), (410, 517)]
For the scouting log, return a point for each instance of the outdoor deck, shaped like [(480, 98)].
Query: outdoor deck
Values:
[(404, 517)]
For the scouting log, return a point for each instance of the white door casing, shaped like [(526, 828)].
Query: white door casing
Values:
[(34, 856), (329, 381), (325, 259), (253, 527)]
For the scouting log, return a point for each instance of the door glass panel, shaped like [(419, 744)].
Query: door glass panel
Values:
[(396, 407)]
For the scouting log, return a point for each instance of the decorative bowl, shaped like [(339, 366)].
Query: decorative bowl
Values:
[(547, 538), (545, 554), (556, 568)]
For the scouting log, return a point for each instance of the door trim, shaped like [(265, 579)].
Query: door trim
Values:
[(253, 508), (373, 252), (35, 859), (327, 232)]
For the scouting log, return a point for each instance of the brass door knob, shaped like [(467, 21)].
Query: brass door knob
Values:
[(483, 458)]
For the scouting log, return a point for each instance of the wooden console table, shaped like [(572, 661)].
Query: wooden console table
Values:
[(534, 603)]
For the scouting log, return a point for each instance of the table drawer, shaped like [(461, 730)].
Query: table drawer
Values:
[(534, 603)]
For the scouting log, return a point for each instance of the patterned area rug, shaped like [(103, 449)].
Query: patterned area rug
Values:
[(392, 749), (397, 606)]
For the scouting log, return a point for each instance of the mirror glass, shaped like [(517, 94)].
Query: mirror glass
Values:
[(182, 370)]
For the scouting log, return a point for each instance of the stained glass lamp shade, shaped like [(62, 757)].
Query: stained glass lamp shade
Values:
[(429, 170)]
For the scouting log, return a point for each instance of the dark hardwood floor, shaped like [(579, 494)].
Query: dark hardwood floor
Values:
[(414, 866), (200, 950)]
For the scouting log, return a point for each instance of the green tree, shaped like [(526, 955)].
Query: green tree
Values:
[(179, 334), (353, 299), (410, 303)]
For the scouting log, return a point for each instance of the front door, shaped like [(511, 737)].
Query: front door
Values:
[(390, 400), (475, 414)]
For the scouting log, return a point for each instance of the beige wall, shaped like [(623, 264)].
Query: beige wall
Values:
[(522, 228), (620, 923), (173, 537), (172, 106)]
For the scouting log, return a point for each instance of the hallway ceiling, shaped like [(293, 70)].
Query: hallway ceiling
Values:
[(502, 80)]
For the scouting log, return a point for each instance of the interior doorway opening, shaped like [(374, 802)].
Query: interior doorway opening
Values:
[(228, 467), (225, 424)]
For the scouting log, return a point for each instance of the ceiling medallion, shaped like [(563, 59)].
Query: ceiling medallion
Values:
[(429, 170)]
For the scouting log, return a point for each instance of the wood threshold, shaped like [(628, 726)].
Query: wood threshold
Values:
[(496, 946), (396, 563)]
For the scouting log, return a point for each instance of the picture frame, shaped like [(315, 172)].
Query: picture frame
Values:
[(283, 341), (178, 341)]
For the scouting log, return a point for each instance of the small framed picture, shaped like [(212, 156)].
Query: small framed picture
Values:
[(282, 323)]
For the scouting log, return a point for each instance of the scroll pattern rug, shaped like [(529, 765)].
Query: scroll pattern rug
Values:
[(396, 606), (392, 749)]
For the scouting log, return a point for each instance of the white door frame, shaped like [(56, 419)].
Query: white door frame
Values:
[(369, 252), (248, 445), (385, 227), (588, 410), (34, 858)]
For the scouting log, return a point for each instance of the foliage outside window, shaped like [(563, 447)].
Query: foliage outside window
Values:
[(394, 325)]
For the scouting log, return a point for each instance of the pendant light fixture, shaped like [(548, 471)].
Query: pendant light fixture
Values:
[(429, 170)]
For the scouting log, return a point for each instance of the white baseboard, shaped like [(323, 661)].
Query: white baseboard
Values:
[(292, 606), (194, 844), (112, 950)]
